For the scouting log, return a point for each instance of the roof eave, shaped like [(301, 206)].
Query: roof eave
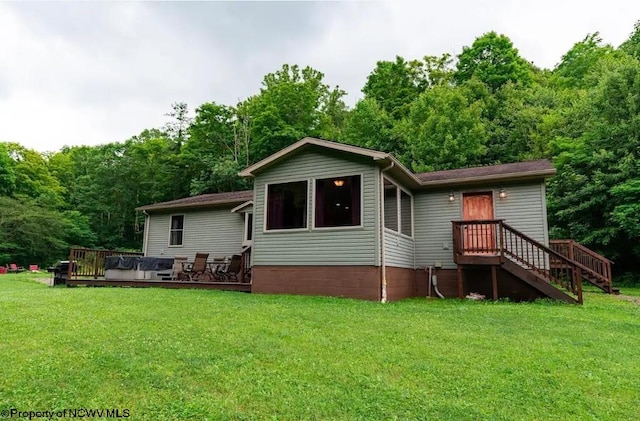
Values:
[(242, 206), (406, 176), (517, 176), (153, 208)]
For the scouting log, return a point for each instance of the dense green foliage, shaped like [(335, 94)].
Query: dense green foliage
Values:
[(487, 105), (293, 357)]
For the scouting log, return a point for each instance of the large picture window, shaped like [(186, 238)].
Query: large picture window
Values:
[(337, 202), (287, 205), (176, 230), (398, 211)]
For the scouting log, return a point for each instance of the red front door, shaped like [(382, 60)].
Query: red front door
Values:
[(479, 237)]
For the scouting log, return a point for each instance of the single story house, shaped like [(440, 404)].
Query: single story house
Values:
[(326, 218)]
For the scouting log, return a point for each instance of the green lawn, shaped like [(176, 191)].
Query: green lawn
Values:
[(177, 354)]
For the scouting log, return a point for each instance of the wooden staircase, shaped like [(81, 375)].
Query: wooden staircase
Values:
[(556, 272), (596, 268)]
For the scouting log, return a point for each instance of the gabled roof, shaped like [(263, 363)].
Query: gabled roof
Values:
[(514, 171), (203, 200), (307, 141), (382, 158)]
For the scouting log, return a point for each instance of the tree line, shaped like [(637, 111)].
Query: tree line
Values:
[(487, 105)]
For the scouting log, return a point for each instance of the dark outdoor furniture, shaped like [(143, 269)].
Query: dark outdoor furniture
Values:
[(232, 270), (61, 272), (199, 270)]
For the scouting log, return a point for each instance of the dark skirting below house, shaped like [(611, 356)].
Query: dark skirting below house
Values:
[(361, 282)]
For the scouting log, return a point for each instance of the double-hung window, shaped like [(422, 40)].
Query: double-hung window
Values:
[(176, 230)]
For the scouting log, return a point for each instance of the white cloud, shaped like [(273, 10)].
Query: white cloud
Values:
[(102, 72)]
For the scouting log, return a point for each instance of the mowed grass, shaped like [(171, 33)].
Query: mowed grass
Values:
[(195, 354)]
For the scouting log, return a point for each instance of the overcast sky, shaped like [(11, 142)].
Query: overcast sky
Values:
[(91, 73)]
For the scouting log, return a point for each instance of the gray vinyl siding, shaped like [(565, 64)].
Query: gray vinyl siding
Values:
[(399, 250), (345, 246), (524, 208), (214, 231), (432, 216)]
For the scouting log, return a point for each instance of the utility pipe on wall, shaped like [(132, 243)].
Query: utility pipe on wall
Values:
[(145, 241), (433, 279), (383, 260)]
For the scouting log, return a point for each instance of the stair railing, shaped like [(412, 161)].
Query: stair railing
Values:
[(596, 265), (494, 237)]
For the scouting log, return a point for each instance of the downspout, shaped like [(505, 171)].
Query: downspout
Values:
[(382, 248), (145, 240)]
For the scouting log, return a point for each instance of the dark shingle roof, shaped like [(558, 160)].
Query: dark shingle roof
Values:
[(540, 168), (214, 199)]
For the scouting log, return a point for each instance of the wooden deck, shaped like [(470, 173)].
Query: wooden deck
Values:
[(225, 286)]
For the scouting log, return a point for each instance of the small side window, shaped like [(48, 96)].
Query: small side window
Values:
[(390, 206), (398, 209), (248, 229), (176, 230), (405, 213)]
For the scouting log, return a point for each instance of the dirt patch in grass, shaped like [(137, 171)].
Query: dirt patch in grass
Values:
[(47, 281), (632, 298)]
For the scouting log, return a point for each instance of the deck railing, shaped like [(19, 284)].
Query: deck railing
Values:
[(89, 263), (597, 267), (494, 238)]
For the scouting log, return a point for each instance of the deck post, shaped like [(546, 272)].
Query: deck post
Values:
[(570, 253), (494, 282), (502, 245), (460, 290), (579, 285), (96, 265), (72, 259)]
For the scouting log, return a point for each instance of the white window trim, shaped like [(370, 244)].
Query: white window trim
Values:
[(266, 208), (245, 231), (184, 221), (313, 208), (399, 188)]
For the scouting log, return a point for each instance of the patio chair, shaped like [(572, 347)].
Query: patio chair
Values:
[(232, 270), (15, 268), (34, 268), (200, 269)]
